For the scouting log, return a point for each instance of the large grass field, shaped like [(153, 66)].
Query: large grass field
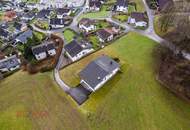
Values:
[(133, 100), (101, 14), (35, 102)]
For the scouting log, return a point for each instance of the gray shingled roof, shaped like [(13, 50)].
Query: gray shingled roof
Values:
[(97, 70), (61, 11), (57, 21), (4, 33), (73, 48), (138, 16), (42, 48), (43, 13), (9, 62), (123, 3), (95, 3), (24, 36), (87, 22), (103, 34)]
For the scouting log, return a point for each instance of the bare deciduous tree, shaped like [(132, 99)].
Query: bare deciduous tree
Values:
[(178, 16)]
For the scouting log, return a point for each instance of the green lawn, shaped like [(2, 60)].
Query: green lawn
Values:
[(94, 40), (8, 50), (31, 1), (68, 35), (35, 102), (121, 17), (101, 14), (132, 100), (131, 9), (40, 36), (42, 24), (140, 5)]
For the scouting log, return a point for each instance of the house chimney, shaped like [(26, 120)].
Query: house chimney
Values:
[(111, 62), (99, 78)]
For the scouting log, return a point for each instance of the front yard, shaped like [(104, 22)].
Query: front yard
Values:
[(101, 14), (133, 99), (121, 17), (42, 24), (69, 35)]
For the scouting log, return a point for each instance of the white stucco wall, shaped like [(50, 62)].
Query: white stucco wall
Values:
[(79, 55), (87, 29), (121, 9), (41, 56), (52, 52)]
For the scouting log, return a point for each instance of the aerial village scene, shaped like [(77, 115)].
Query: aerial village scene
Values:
[(94, 65)]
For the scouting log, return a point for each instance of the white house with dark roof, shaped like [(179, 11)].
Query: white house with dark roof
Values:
[(43, 50), (122, 5), (5, 35), (98, 72), (44, 14), (9, 64), (62, 12), (75, 50), (138, 19), (28, 16), (57, 22), (94, 5), (87, 25), (104, 35)]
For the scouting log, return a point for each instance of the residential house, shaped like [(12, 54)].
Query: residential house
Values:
[(20, 27), (4, 25), (98, 72), (5, 35), (45, 4), (138, 19), (23, 38), (9, 64), (87, 25), (9, 15), (62, 12), (122, 5), (104, 35), (57, 22), (75, 50), (44, 14), (94, 5), (43, 50), (28, 16), (31, 6)]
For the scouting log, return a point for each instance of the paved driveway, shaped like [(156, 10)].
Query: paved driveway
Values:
[(79, 94)]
